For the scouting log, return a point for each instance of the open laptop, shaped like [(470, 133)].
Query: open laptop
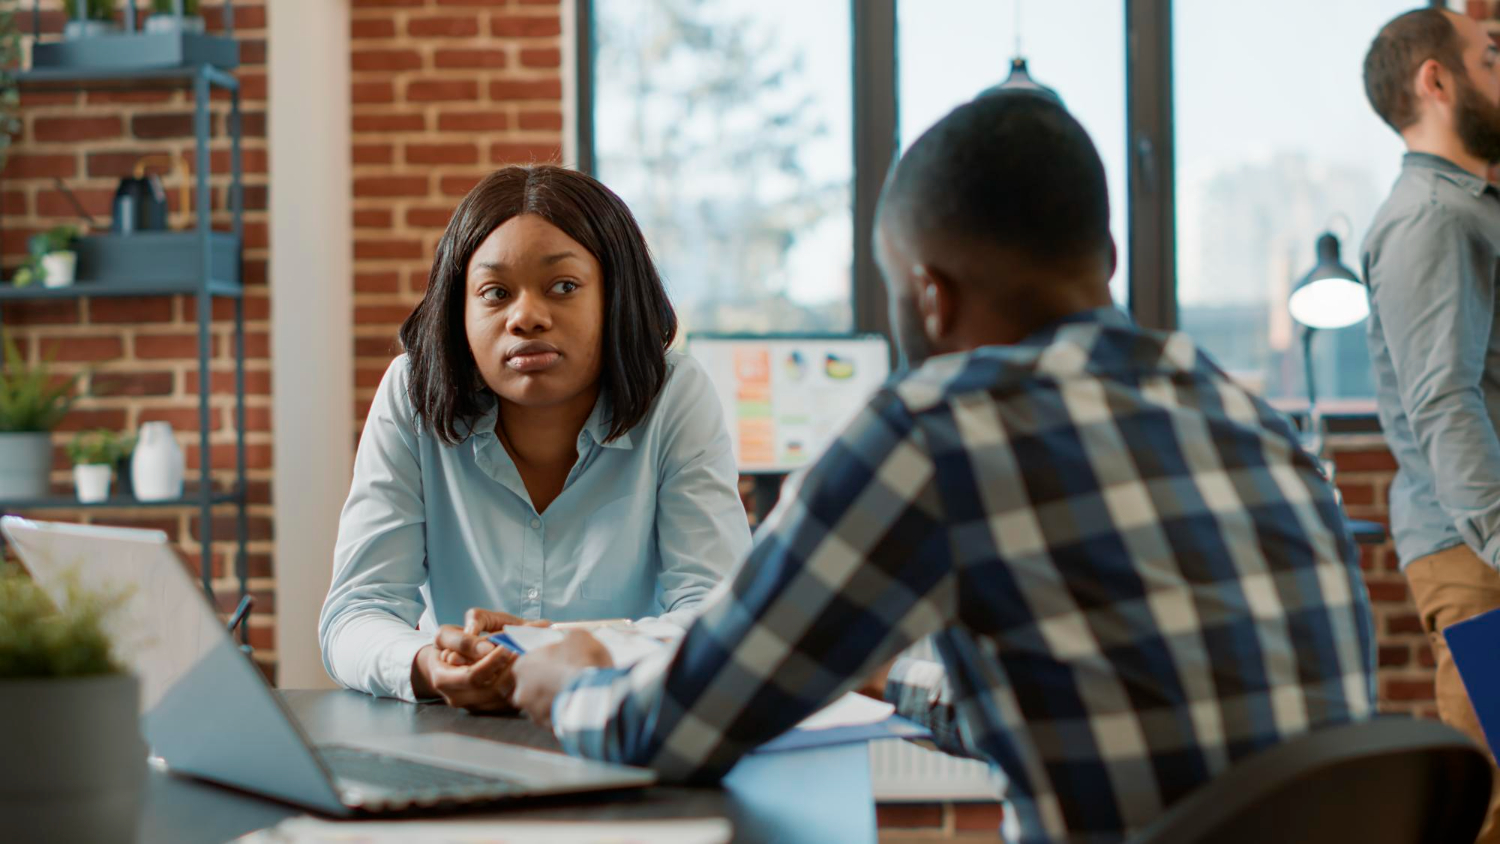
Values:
[(208, 712)]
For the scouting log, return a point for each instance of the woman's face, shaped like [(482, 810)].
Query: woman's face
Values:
[(534, 313)]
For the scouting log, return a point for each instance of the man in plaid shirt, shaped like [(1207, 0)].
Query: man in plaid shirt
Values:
[(1132, 573)]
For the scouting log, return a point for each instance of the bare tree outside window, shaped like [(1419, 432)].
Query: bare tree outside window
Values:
[(725, 125)]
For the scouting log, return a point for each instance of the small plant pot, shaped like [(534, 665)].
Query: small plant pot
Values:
[(75, 763), (91, 481), (169, 23), (59, 268)]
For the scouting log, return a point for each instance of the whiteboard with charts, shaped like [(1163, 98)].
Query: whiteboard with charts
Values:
[(786, 397)]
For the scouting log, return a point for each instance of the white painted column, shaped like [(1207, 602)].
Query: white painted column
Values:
[(311, 314), (568, 14)]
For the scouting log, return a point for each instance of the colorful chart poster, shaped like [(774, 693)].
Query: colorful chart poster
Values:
[(785, 399)]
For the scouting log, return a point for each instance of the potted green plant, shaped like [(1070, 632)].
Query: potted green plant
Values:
[(90, 18), (94, 455), (175, 16), (10, 92), (69, 719), (52, 259), (32, 402)]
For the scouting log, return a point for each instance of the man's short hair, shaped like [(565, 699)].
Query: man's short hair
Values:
[(1396, 53), (1011, 170)]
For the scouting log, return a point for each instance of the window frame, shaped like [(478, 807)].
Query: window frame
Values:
[(1150, 152)]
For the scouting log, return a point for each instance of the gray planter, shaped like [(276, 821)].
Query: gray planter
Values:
[(75, 29), (25, 463), (76, 768)]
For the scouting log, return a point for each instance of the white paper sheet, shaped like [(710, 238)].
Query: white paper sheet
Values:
[(626, 647), (306, 830), (851, 710)]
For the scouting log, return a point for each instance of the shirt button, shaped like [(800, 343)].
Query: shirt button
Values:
[(536, 523), (532, 594)]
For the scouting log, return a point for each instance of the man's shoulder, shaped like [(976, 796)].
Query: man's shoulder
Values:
[(1080, 351), (1424, 205), (941, 380)]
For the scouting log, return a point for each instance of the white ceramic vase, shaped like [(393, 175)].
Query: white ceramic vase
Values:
[(91, 482), (59, 268), (156, 469)]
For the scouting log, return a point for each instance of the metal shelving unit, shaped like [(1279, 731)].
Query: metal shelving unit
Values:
[(209, 281)]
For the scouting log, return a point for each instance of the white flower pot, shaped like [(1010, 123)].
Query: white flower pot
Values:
[(91, 481), (75, 763), (59, 268), (156, 468)]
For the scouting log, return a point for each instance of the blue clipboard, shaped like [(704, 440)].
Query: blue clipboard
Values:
[(1475, 645), (892, 727), (505, 641)]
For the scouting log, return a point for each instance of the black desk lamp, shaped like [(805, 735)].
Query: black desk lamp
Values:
[(1330, 296)]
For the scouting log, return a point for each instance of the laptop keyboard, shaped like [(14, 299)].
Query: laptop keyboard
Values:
[(416, 781)]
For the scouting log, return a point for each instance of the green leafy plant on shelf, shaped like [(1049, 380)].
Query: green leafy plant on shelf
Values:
[(94, 10), (100, 447), (31, 397), (40, 245), (10, 92), (164, 7), (39, 640)]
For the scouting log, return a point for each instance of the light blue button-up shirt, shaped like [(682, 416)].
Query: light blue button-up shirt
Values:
[(646, 525)]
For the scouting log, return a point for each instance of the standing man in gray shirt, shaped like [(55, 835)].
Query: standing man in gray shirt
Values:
[(1431, 260)]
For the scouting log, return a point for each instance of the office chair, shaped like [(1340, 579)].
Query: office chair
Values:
[(1391, 780)]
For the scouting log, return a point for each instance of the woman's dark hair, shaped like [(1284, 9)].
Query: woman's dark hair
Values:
[(444, 384)]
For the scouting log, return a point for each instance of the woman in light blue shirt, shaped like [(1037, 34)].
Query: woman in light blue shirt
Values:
[(536, 451)]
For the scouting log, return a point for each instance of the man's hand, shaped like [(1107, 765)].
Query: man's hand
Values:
[(483, 686), (542, 673), (875, 685)]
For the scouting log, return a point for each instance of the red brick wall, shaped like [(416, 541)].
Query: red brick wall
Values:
[(1364, 470), (141, 354), (444, 92)]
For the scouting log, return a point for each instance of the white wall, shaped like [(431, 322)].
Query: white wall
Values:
[(311, 314)]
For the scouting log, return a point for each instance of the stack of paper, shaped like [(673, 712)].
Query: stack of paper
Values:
[(851, 710), (305, 830)]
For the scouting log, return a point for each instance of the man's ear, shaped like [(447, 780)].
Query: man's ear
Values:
[(937, 302), (1433, 82)]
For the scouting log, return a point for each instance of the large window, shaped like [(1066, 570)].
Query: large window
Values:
[(726, 126), (1232, 137), (1275, 144), (950, 50)]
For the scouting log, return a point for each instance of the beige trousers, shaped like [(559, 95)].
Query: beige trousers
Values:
[(1448, 587)]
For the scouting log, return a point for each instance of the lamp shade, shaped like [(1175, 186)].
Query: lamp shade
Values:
[(1331, 296), (1020, 81)]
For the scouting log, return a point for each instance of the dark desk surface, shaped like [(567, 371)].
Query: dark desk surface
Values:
[(809, 795)]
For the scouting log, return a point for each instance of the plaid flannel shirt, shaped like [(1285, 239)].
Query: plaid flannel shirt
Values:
[(1133, 573)]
